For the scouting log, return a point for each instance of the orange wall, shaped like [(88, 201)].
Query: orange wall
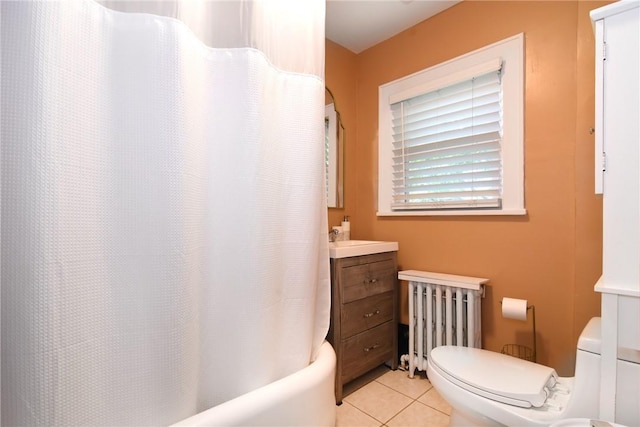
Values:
[(551, 256)]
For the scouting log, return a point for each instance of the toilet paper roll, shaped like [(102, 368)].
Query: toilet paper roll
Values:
[(513, 308)]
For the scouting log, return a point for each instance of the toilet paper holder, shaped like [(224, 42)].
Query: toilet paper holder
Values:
[(521, 351)]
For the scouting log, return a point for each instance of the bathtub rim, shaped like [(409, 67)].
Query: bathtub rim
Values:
[(314, 383)]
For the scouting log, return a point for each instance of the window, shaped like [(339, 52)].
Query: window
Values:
[(451, 136)]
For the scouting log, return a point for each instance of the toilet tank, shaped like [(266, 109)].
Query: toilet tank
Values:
[(587, 376), (590, 337), (585, 395)]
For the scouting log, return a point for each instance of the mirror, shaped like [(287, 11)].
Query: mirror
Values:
[(333, 152)]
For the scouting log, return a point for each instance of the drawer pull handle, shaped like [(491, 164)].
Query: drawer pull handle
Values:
[(373, 280), (371, 314), (373, 347)]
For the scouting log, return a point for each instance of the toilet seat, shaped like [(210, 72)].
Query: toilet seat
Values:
[(501, 378)]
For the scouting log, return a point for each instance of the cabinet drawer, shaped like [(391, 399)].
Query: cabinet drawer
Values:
[(361, 281), (367, 350), (360, 315)]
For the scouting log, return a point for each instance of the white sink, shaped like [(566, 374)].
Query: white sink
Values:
[(349, 248)]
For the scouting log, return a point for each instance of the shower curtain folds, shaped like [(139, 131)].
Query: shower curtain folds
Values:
[(162, 206)]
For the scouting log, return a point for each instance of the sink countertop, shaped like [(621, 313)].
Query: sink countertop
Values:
[(349, 248)]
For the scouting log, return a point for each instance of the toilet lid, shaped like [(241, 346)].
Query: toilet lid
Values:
[(493, 375)]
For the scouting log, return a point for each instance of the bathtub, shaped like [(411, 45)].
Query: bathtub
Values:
[(304, 398)]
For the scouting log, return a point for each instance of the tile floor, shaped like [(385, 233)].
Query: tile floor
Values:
[(391, 398)]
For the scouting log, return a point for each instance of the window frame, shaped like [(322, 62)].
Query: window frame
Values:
[(511, 52)]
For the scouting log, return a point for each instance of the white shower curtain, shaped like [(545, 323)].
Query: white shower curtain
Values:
[(163, 214)]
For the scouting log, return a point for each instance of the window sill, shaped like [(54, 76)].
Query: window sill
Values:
[(501, 212)]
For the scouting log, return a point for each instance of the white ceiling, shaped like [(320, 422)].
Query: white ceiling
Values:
[(359, 24)]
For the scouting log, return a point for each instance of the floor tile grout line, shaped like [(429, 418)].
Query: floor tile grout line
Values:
[(405, 407), (379, 420), (413, 400), (420, 403), (435, 409), (385, 424), (404, 394), (397, 413), (397, 391), (367, 414)]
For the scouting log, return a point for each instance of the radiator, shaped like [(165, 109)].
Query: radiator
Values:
[(444, 309)]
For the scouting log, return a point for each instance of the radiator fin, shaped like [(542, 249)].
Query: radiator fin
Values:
[(444, 309)]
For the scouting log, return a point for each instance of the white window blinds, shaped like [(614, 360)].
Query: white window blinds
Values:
[(446, 146)]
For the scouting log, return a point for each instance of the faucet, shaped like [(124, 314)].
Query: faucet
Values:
[(333, 234)]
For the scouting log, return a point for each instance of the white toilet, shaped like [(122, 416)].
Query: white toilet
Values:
[(487, 388)]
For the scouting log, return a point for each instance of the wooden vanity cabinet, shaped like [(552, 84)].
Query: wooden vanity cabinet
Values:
[(364, 315)]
